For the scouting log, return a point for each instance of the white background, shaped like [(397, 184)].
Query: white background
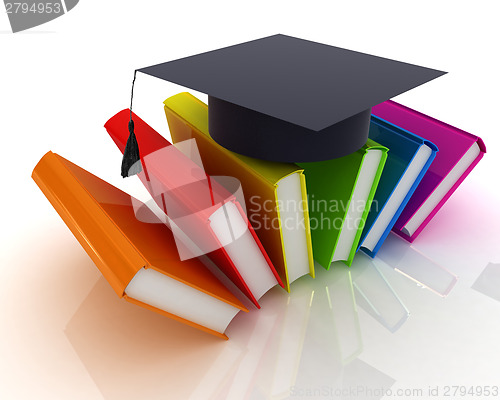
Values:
[(61, 81)]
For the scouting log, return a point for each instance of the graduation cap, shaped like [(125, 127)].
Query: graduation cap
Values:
[(282, 98)]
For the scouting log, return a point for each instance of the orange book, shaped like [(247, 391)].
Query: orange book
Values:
[(139, 260)]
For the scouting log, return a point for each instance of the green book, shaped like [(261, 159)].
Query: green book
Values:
[(340, 194)]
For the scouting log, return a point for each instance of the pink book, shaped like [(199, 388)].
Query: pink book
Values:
[(458, 154)]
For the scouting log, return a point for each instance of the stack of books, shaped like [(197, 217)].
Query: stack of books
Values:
[(321, 179)]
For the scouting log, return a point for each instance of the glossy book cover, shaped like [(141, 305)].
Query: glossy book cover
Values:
[(453, 144)]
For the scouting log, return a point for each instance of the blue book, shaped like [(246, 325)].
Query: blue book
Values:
[(408, 159)]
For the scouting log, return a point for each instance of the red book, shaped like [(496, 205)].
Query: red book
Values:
[(200, 210)]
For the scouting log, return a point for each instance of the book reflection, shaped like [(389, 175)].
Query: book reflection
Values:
[(298, 344), (305, 339), (488, 282), (407, 260), (131, 352), (375, 295)]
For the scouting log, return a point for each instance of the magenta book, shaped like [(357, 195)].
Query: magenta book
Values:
[(458, 154)]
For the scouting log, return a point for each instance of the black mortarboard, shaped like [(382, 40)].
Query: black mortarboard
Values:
[(286, 99)]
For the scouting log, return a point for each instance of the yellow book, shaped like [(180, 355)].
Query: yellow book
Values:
[(275, 193)]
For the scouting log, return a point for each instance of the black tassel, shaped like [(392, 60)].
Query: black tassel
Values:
[(131, 162)]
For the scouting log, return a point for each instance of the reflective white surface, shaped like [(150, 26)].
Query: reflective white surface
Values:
[(349, 333)]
